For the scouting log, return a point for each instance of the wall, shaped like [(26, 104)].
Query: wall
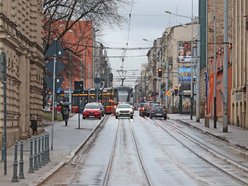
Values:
[(240, 68), (20, 39)]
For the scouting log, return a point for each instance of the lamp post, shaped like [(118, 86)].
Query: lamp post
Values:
[(215, 68), (225, 69), (3, 79)]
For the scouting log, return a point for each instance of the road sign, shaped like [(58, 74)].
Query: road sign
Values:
[(59, 67), (97, 80), (49, 82), (55, 49), (168, 93)]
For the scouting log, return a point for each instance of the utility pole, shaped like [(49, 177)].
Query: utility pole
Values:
[(3, 78), (55, 50), (70, 79), (54, 86), (167, 84), (192, 85), (215, 64), (225, 69), (198, 77)]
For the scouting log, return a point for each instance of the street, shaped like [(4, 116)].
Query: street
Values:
[(153, 152)]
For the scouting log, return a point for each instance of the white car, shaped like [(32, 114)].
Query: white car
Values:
[(124, 109)]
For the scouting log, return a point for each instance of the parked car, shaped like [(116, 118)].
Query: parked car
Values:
[(142, 111), (124, 109), (158, 111), (92, 110), (149, 107)]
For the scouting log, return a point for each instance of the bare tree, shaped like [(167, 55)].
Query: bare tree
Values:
[(62, 16), (99, 12)]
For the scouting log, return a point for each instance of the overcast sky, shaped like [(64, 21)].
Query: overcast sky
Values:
[(148, 21)]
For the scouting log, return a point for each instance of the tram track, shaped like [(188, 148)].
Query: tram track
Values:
[(139, 155), (113, 155), (223, 163), (107, 173)]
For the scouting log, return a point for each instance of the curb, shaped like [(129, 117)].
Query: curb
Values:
[(204, 132), (63, 162), (240, 147)]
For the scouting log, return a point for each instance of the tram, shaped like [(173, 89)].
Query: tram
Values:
[(109, 97), (124, 94)]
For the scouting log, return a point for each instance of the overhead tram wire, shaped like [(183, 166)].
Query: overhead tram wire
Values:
[(128, 33)]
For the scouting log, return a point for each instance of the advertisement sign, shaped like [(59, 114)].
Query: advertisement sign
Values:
[(185, 74), (184, 52)]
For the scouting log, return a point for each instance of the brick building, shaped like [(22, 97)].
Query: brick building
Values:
[(219, 17), (21, 40)]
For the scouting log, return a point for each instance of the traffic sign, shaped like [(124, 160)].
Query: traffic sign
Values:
[(97, 80), (55, 49), (59, 67), (168, 93), (49, 82)]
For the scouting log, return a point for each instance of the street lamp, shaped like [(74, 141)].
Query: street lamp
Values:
[(144, 39), (169, 12)]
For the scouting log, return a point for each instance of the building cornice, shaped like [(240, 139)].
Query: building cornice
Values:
[(11, 29)]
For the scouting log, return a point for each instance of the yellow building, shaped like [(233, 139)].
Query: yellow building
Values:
[(21, 41)]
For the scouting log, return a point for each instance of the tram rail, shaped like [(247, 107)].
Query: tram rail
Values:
[(238, 172)]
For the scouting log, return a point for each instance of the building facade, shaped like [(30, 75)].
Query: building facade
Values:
[(21, 41), (154, 62), (177, 63), (237, 60), (239, 98), (216, 13)]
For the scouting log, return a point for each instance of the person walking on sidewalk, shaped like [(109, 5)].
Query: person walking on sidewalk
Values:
[(65, 111)]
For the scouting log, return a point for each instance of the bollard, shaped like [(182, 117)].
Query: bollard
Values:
[(15, 165), (48, 151), (46, 158), (35, 154), (39, 152), (42, 151), (31, 166), (21, 163)]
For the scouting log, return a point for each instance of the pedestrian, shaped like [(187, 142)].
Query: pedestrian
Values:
[(66, 114), (65, 111)]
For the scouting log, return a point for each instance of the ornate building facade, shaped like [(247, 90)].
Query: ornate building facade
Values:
[(239, 96), (21, 41)]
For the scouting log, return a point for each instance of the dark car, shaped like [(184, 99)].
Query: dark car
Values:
[(158, 111), (142, 111), (149, 107), (92, 110)]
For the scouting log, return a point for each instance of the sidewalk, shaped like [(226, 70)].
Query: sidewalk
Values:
[(235, 135), (66, 141)]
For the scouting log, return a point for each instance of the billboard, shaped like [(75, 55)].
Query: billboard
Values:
[(185, 74), (184, 52)]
